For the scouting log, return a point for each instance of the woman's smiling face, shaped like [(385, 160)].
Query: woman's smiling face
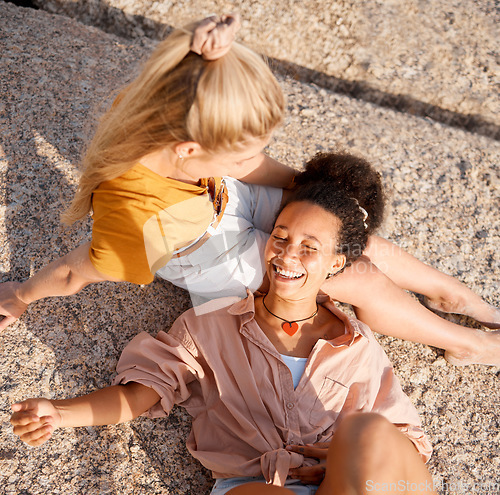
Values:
[(301, 251)]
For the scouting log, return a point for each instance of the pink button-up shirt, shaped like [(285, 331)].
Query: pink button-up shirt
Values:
[(224, 371)]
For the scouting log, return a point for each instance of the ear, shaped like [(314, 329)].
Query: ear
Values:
[(339, 264), (187, 149)]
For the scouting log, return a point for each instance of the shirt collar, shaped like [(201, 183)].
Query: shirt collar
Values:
[(246, 310), (243, 306)]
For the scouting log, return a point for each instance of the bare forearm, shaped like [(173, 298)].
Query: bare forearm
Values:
[(62, 277), (34, 420), (110, 405)]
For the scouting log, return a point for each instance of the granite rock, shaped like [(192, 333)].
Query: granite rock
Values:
[(443, 186), (403, 54)]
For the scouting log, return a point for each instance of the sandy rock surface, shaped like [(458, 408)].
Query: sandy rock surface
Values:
[(404, 54), (444, 188)]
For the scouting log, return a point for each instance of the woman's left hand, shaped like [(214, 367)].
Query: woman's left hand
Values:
[(310, 475)]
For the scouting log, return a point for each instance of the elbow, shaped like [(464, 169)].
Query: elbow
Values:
[(72, 281)]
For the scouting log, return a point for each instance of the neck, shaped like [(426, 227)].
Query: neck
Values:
[(165, 162), (290, 310)]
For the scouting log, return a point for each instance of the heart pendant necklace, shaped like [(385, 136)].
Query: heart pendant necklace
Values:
[(289, 327)]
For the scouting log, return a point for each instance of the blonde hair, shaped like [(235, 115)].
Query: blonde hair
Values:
[(179, 97)]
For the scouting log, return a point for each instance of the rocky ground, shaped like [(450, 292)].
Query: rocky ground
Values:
[(57, 74), (403, 54)]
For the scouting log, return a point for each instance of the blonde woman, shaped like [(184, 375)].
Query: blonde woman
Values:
[(204, 108)]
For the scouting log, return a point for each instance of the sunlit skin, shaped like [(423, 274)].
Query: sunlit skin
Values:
[(189, 162), (300, 255)]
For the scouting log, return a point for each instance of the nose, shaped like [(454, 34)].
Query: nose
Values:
[(290, 252)]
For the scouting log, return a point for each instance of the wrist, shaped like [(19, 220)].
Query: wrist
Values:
[(21, 291), (62, 414)]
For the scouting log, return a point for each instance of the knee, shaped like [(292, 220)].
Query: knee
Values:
[(366, 435), (364, 269), (366, 422), (361, 273), (363, 447)]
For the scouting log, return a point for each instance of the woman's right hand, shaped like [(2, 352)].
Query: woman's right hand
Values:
[(11, 306), (310, 475), (35, 420)]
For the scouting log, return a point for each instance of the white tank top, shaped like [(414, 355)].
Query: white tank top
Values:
[(296, 365)]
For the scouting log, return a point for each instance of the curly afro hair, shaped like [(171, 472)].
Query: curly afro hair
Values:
[(348, 187), (353, 175)]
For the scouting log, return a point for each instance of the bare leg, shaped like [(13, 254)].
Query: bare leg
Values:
[(443, 292), (368, 454), (389, 310)]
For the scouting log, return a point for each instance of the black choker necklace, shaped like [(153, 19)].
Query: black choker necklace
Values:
[(290, 327)]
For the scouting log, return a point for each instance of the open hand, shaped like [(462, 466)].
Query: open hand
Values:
[(35, 420), (11, 306), (310, 475)]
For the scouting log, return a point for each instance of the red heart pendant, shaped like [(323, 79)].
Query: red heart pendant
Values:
[(290, 327)]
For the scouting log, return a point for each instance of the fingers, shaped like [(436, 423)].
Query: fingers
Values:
[(22, 418), (24, 415), (32, 430), (24, 405), (322, 445), (38, 436), (309, 451), (311, 475), (30, 423), (28, 405), (39, 441)]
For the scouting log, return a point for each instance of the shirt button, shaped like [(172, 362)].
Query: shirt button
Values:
[(290, 405)]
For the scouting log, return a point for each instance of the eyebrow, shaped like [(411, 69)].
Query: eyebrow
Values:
[(307, 236)]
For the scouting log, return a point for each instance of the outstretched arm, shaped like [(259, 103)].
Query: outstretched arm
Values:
[(35, 420), (62, 277)]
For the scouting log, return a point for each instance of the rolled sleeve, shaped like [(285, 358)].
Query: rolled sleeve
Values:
[(161, 363), (417, 436)]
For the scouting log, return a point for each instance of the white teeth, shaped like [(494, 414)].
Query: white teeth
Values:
[(288, 273)]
